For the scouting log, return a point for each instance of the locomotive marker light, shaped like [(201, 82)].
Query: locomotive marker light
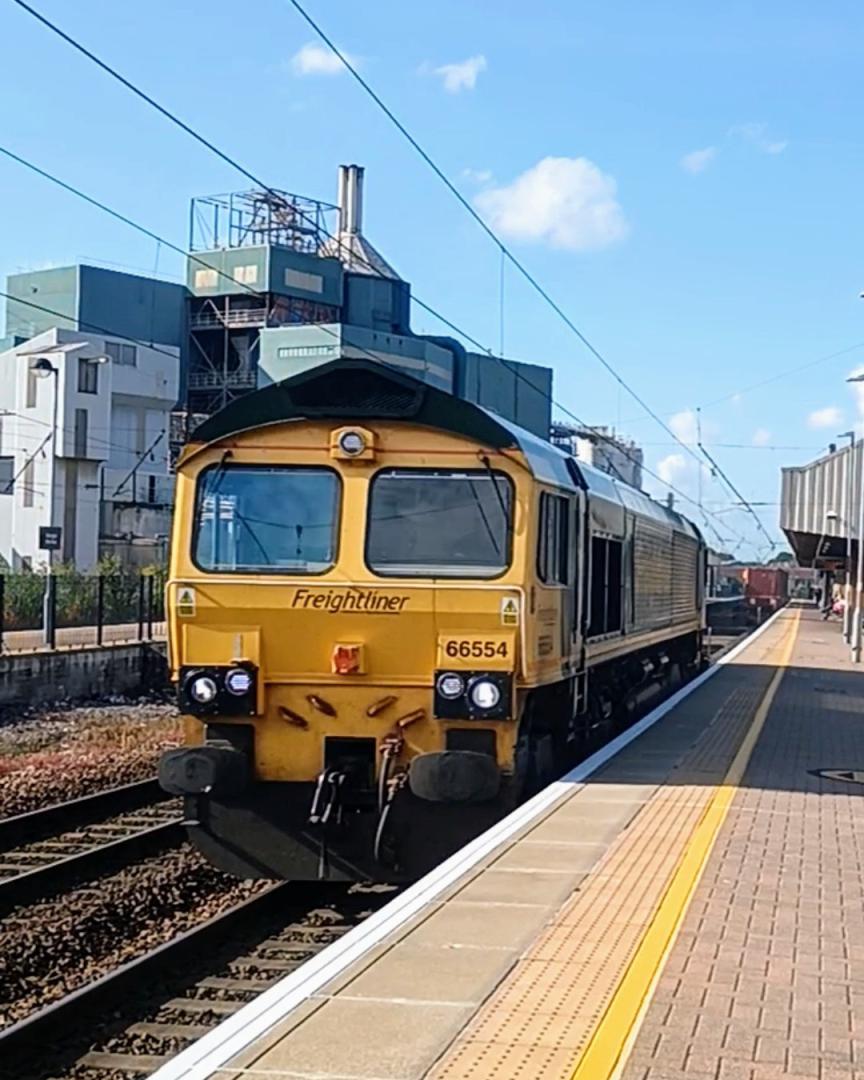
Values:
[(352, 443), (238, 682), (451, 685), (203, 689), (485, 694)]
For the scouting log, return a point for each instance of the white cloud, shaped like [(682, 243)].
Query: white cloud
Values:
[(477, 176), (315, 59), (697, 161), (761, 436), (830, 416), (757, 135), (567, 202), (461, 76), (670, 467), (685, 426)]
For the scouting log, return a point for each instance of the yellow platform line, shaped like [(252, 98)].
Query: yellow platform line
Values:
[(616, 1031)]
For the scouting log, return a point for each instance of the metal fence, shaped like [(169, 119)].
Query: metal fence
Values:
[(69, 609)]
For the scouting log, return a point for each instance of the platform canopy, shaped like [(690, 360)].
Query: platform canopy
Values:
[(819, 508)]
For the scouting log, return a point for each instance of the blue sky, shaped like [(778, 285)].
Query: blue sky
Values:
[(684, 178)]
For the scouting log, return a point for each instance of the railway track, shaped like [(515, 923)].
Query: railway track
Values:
[(45, 849), (184, 987)]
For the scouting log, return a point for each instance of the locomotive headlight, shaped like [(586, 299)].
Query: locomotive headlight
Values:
[(451, 685), (203, 689), (238, 682), (484, 694), (352, 443)]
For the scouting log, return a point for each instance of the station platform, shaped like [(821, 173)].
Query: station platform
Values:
[(686, 905)]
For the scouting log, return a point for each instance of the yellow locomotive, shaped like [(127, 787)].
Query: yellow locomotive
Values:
[(393, 615)]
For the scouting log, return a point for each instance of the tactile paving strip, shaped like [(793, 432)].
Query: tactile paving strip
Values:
[(540, 1019)]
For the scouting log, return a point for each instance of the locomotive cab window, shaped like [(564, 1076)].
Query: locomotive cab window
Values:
[(553, 540), (266, 519), (439, 523)]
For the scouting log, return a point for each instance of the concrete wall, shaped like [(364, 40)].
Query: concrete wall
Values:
[(79, 674)]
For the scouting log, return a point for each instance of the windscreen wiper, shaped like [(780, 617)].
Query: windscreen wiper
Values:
[(479, 504), (487, 465)]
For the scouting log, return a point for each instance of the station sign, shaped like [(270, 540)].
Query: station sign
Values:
[(50, 537)]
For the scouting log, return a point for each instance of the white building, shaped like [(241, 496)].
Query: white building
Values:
[(84, 446), (602, 448)]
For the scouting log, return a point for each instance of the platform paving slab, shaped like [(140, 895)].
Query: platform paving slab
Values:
[(766, 979), (573, 895)]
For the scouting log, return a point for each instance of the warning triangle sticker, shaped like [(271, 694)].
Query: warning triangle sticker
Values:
[(509, 611), (186, 601)]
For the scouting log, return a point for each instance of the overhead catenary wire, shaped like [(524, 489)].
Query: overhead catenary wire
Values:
[(160, 240), (745, 503), (432, 311), (564, 409), (484, 225), (11, 484), (77, 192), (228, 159), (234, 163)]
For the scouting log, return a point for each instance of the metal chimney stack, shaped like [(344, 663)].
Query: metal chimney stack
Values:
[(354, 250), (351, 199)]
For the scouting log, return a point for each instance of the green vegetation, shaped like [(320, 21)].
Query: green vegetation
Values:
[(123, 591)]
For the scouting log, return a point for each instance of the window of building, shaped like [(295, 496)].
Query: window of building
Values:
[(32, 383), (88, 376), (7, 475), (205, 279), (121, 353), (553, 544), (606, 568), (246, 275), (151, 489), (307, 282), (27, 480), (81, 419)]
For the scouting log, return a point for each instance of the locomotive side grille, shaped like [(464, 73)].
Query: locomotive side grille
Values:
[(685, 559), (652, 572)]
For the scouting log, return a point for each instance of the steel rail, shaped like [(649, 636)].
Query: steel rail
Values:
[(22, 828)]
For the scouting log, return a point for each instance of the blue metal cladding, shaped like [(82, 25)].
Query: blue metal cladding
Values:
[(56, 289), (139, 308), (379, 303)]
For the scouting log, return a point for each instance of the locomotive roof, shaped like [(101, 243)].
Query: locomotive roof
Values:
[(353, 389)]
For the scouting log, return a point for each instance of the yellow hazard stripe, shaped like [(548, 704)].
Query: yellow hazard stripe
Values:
[(617, 1029)]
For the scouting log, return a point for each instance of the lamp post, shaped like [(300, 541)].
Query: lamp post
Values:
[(44, 369), (859, 562), (848, 521)]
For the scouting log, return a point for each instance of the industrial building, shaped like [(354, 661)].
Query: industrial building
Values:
[(601, 447), (279, 283), (275, 283), (84, 448)]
